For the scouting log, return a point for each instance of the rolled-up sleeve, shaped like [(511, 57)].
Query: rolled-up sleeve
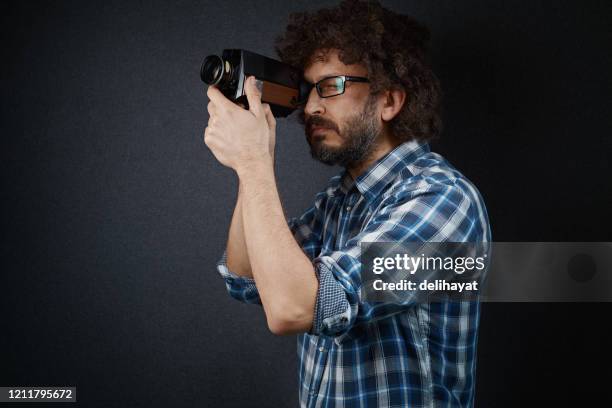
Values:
[(440, 213), (239, 287)]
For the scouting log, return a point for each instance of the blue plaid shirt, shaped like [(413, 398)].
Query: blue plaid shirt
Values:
[(361, 354)]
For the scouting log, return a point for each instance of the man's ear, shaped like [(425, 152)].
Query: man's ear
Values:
[(394, 100)]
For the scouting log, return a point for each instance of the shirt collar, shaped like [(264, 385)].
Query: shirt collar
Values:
[(372, 182)]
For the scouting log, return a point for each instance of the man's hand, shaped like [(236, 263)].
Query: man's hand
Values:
[(240, 138)]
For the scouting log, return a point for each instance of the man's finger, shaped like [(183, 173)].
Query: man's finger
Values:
[(210, 108), (269, 116), (253, 94), (219, 99), (206, 136)]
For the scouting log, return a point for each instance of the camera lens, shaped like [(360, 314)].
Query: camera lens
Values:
[(212, 70)]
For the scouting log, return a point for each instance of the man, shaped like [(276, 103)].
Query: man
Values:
[(372, 108)]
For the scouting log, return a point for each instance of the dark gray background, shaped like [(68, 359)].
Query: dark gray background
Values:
[(114, 212)]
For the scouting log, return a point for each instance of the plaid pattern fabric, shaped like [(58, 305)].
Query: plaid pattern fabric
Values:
[(361, 354)]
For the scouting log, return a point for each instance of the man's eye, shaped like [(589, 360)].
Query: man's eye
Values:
[(331, 87)]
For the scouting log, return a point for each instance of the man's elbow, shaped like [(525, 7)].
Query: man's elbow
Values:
[(284, 323)]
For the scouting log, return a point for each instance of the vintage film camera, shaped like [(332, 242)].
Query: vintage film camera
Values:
[(281, 83)]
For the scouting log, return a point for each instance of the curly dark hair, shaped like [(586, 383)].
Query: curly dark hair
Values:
[(392, 47)]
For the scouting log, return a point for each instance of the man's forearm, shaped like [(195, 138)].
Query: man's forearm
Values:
[(237, 255), (284, 275)]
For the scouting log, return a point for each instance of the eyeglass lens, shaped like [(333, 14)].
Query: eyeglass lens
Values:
[(331, 87)]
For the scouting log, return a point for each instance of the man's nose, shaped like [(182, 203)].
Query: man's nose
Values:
[(314, 105)]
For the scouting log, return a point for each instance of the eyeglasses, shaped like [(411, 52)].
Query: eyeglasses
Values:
[(327, 87)]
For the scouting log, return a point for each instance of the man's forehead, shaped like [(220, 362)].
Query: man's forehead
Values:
[(322, 56), (324, 63)]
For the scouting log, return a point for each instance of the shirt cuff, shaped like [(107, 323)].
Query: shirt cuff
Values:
[(239, 287), (332, 314)]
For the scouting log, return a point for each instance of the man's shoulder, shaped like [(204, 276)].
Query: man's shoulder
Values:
[(439, 187), (432, 174), (429, 172)]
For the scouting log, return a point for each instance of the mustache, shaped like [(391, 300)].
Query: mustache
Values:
[(317, 121)]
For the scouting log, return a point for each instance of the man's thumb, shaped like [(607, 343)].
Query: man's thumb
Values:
[(253, 94)]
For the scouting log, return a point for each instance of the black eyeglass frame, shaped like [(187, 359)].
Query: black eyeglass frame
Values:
[(306, 87)]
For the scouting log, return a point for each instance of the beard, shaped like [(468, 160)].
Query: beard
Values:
[(359, 135)]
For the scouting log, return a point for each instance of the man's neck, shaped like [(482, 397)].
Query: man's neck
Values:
[(382, 147)]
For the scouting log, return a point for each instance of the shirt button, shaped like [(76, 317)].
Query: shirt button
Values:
[(321, 349), (348, 208)]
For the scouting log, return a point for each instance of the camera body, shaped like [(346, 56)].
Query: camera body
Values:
[(280, 82)]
